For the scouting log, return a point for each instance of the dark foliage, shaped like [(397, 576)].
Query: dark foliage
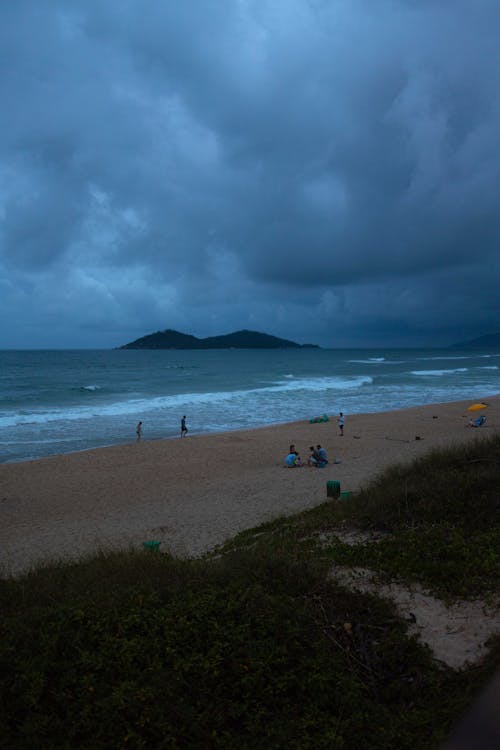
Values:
[(249, 652), (257, 648), (170, 339)]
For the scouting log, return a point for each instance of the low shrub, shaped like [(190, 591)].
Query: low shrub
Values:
[(249, 651), (255, 647)]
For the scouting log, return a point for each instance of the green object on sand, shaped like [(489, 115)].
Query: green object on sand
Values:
[(151, 546), (324, 418), (333, 488), (345, 495)]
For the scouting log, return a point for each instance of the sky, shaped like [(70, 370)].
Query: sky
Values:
[(327, 171)]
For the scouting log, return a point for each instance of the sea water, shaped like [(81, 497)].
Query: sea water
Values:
[(62, 401)]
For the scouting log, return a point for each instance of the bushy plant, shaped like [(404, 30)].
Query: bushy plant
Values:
[(249, 651), (256, 647), (457, 486)]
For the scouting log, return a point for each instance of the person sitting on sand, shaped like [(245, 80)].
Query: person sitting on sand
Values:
[(321, 454), (312, 460), (478, 422), (315, 458), (292, 460)]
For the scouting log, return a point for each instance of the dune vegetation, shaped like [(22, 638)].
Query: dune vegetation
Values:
[(257, 646)]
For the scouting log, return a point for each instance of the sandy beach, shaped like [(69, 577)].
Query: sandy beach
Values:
[(195, 493)]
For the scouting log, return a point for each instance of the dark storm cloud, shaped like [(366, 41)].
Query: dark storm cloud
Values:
[(322, 171)]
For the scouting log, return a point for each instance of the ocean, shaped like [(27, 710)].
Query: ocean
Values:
[(55, 402)]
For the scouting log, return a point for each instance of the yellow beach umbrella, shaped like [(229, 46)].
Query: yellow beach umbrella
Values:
[(477, 407)]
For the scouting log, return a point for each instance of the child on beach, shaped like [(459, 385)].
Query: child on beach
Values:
[(312, 460), (293, 459), (138, 431), (184, 429)]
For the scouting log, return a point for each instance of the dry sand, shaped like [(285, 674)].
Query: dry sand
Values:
[(455, 633), (195, 493)]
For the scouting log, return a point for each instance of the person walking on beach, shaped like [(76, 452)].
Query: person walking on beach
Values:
[(184, 429), (340, 422), (138, 431)]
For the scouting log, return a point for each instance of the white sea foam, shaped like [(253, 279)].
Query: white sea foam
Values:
[(321, 384), (425, 373), (442, 358), (40, 415), (369, 361), (134, 406)]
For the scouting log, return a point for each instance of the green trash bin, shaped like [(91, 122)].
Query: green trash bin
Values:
[(333, 488), (151, 546)]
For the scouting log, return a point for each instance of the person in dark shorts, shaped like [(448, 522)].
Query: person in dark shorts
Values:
[(340, 422), (184, 429)]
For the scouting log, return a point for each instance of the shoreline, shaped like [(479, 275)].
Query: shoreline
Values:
[(195, 493), (224, 431)]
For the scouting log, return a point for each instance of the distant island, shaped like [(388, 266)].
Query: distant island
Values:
[(170, 339), (490, 341)]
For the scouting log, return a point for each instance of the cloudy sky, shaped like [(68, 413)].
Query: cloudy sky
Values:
[(323, 170)]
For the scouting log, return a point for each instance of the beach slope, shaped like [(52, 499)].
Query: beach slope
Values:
[(194, 494)]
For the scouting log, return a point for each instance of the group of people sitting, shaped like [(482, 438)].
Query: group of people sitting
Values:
[(317, 458)]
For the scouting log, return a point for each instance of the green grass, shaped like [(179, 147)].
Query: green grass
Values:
[(256, 647), (458, 486), (441, 514)]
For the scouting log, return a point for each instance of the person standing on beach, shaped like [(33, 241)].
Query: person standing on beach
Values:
[(184, 429), (138, 431), (340, 422)]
